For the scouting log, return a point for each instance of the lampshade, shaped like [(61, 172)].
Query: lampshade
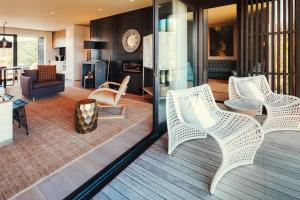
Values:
[(93, 44), (5, 43)]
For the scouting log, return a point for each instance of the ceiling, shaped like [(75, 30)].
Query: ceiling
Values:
[(52, 15), (223, 14)]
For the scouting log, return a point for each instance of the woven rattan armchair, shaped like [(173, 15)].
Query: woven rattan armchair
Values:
[(283, 111), (238, 135)]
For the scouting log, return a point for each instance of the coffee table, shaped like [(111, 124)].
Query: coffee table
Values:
[(242, 106)]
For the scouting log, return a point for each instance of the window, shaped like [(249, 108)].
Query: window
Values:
[(27, 51)]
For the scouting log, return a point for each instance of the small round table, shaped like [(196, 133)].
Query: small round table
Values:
[(86, 116), (242, 106)]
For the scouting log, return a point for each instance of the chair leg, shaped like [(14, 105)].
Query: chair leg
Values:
[(112, 116), (25, 121), (223, 169), (20, 116)]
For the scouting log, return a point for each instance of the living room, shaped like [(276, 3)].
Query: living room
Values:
[(69, 60), (141, 99)]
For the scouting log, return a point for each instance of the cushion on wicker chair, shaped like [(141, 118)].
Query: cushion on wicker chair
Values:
[(249, 89), (195, 111)]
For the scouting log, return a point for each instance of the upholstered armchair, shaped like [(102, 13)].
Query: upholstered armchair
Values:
[(32, 88), (108, 97)]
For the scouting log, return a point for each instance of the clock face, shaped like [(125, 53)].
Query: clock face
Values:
[(131, 40)]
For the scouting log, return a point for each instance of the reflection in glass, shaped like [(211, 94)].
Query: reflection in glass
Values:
[(175, 51)]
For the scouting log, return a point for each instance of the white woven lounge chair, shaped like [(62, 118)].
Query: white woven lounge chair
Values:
[(283, 111), (193, 114)]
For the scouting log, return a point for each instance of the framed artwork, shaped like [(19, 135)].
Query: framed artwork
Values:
[(221, 45)]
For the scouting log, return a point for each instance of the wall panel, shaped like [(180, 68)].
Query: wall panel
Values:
[(268, 42)]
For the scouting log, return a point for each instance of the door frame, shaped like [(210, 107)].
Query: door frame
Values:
[(158, 129)]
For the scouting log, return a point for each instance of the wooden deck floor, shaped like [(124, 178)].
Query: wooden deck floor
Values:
[(187, 174)]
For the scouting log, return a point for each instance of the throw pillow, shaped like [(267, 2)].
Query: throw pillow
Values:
[(196, 112), (46, 73), (250, 90)]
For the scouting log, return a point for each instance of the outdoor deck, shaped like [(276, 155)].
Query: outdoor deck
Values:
[(187, 174)]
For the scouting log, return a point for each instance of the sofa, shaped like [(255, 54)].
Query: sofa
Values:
[(32, 88), (221, 69)]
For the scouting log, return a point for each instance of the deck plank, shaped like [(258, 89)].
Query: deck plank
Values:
[(188, 171), (113, 194)]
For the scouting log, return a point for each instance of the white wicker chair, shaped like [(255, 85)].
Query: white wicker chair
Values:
[(238, 135), (283, 111)]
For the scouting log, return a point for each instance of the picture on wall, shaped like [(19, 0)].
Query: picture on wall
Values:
[(221, 41)]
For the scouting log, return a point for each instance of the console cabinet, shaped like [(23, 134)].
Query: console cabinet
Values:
[(98, 70)]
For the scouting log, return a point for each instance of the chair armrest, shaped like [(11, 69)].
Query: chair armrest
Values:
[(105, 89), (222, 113), (60, 77), (26, 85), (106, 84)]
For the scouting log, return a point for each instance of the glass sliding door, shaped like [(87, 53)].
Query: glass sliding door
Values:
[(174, 53)]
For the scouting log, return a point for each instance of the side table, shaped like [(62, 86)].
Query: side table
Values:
[(86, 116)]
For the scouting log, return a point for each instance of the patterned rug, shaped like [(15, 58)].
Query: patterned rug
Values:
[(52, 141)]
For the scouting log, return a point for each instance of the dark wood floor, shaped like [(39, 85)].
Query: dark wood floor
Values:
[(187, 173), (219, 89)]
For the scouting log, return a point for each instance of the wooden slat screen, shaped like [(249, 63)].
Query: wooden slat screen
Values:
[(268, 42)]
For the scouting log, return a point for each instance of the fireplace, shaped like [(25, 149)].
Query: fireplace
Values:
[(132, 67)]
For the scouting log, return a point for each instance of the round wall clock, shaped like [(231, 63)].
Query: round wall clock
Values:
[(131, 40)]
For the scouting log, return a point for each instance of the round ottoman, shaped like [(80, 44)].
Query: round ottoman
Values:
[(86, 116)]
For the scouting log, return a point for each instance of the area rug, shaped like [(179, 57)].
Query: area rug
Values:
[(52, 141)]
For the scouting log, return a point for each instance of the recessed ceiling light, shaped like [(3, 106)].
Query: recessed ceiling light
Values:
[(100, 9), (52, 13), (132, 0)]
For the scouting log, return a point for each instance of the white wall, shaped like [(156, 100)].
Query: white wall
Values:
[(49, 52), (6, 128), (75, 54), (70, 52)]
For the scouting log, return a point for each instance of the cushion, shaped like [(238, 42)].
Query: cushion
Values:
[(105, 97), (46, 73), (31, 73), (196, 112), (44, 84), (249, 89)]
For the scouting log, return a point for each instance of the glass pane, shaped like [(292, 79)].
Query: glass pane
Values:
[(175, 50), (27, 51), (6, 54)]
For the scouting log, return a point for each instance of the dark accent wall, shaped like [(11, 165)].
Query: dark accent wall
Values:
[(111, 30)]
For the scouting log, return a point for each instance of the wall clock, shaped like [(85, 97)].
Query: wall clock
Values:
[(131, 40)]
